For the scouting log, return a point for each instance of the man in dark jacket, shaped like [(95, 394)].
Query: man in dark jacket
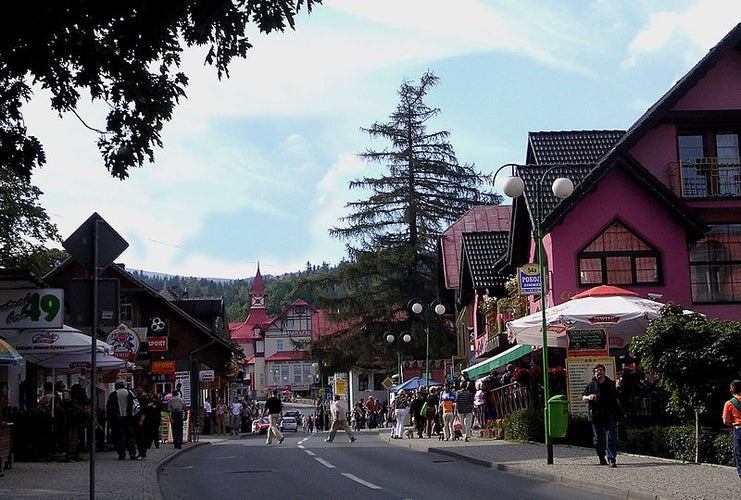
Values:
[(120, 415), (604, 411)]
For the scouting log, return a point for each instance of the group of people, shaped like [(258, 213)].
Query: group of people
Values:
[(367, 414), (69, 414), (241, 414), (134, 420), (446, 412)]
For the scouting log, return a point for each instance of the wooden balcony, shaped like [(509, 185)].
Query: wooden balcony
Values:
[(706, 178)]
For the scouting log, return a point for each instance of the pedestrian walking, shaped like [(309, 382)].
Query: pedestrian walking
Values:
[(274, 409), (732, 417), (176, 408), (120, 414), (464, 409), (604, 411), (401, 410), (339, 420)]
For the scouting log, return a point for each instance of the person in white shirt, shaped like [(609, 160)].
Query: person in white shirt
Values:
[(207, 416), (236, 422), (339, 420)]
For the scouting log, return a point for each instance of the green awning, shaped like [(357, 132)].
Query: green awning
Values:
[(501, 359)]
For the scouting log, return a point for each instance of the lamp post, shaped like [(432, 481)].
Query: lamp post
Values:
[(406, 338), (418, 308), (562, 187)]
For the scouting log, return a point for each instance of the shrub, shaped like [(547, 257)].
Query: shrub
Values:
[(524, 425), (723, 447)]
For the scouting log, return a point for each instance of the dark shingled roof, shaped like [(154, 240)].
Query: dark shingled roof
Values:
[(483, 254), (570, 147), (535, 177)]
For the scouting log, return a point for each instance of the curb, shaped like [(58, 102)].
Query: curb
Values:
[(153, 474), (545, 476)]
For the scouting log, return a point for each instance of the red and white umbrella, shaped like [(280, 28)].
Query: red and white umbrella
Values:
[(621, 312)]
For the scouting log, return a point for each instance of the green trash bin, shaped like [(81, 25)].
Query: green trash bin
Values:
[(558, 412)]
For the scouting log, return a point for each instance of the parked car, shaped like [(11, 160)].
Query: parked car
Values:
[(289, 424), (260, 426)]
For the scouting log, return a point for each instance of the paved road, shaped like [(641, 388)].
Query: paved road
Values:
[(304, 466), (635, 477)]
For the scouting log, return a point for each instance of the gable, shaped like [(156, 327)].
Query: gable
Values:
[(479, 218)]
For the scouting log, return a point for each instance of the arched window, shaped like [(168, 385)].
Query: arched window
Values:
[(618, 257), (715, 265)]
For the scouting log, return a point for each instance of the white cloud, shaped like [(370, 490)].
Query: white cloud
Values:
[(274, 142), (694, 30)]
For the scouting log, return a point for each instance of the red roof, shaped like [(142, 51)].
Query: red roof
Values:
[(478, 219), (286, 356)]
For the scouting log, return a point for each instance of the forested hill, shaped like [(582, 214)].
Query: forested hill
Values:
[(280, 290)]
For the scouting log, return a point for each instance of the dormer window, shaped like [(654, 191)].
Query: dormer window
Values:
[(618, 257)]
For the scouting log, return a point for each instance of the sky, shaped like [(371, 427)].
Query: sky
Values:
[(256, 168)]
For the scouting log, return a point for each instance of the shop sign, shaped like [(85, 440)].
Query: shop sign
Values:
[(125, 342), (162, 367), (157, 343), (206, 375), (31, 308), (529, 279)]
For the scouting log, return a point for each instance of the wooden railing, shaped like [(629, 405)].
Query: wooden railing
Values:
[(706, 177)]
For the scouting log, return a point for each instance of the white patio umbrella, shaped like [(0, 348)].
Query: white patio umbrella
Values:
[(71, 363), (46, 346), (621, 312), (41, 345)]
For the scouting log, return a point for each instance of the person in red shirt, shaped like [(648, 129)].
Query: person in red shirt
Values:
[(732, 417)]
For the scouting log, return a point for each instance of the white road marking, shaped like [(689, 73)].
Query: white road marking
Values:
[(324, 463), (309, 452), (358, 480)]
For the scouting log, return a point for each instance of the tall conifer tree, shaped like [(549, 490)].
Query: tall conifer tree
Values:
[(392, 235)]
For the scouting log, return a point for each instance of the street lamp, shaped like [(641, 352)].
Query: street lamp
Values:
[(562, 187), (418, 308), (406, 338)]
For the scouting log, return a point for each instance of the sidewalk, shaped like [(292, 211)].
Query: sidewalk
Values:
[(635, 477), (114, 479)]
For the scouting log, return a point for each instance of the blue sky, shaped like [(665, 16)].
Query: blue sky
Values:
[(256, 168)]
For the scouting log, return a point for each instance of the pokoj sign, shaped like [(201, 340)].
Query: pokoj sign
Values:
[(31, 308), (529, 279)]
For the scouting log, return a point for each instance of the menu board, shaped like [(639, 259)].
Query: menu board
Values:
[(587, 342), (579, 370)]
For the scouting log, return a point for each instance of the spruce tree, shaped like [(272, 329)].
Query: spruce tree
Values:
[(392, 236)]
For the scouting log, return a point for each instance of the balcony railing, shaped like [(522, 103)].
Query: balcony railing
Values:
[(706, 177)]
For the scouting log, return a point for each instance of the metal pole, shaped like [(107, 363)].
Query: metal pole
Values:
[(398, 359), (427, 350), (93, 353)]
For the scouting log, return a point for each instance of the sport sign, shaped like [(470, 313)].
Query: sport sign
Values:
[(31, 308)]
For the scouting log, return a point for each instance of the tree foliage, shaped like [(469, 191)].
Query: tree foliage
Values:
[(392, 236), (125, 54), (694, 358), (25, 226)]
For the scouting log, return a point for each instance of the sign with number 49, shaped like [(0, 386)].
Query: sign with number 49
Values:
[(31, 308)]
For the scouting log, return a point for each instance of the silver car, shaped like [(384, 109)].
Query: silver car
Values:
[(289, 424)]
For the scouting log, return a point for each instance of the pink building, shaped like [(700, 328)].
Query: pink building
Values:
[(655, 209)]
